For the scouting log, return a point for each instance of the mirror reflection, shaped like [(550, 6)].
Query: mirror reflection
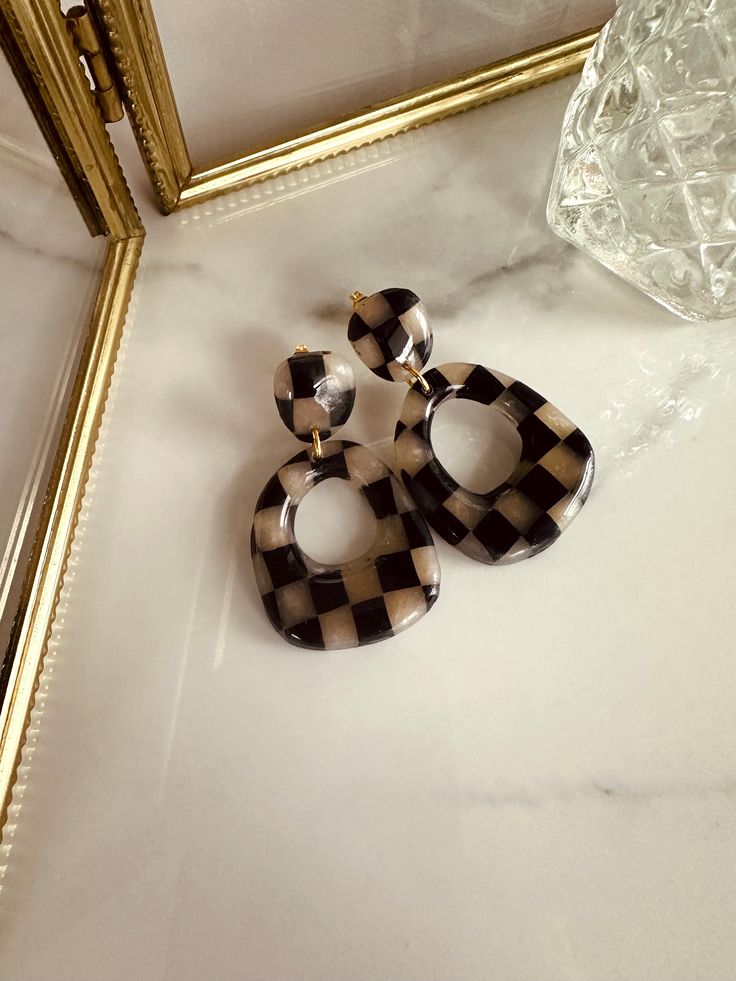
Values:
[(268, 71), (50, 268)]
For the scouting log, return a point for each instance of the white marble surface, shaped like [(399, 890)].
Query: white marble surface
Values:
[(537, 782), (49, 271), (264, 71)]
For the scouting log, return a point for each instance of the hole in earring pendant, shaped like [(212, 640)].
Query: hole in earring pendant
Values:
[(334, 523), (477, 445)]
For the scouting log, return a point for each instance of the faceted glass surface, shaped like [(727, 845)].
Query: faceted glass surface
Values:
[(645, 179)]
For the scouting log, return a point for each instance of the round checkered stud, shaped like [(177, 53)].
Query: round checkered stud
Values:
[(315, 393), (526, 513), (390, 333), (382, 592)]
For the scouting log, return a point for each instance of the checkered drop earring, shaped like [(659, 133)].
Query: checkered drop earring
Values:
[(382, 592), (551, 481)]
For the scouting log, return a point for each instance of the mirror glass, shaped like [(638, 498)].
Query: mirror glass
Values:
[(50, 270), (250, 75)]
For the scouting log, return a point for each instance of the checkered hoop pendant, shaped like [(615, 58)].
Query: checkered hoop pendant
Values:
[(384, 591), (387, 589), (526, 513)]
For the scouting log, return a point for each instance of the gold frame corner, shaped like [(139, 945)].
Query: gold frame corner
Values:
[(46, 64), (135, 47)]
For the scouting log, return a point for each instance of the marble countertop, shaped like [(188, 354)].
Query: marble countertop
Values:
[(537, 782)]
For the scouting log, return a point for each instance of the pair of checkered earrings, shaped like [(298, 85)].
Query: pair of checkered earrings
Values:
[(393, 584)]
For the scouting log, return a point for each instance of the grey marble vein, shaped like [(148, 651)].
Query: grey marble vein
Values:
[(8, 240), (600, 790)]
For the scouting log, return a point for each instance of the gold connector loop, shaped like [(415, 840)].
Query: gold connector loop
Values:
[(356, 297), (301, 349), (416, 376), (316, 444)]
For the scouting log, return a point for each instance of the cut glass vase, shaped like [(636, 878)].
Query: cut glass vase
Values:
[(645, 179)]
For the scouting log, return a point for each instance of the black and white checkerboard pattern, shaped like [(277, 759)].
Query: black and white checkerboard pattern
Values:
[(389, 329), (315, 388), (526, 513), (364, 600)]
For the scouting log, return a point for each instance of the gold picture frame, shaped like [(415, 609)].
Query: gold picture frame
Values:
[(45, 62), (133, 44)]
